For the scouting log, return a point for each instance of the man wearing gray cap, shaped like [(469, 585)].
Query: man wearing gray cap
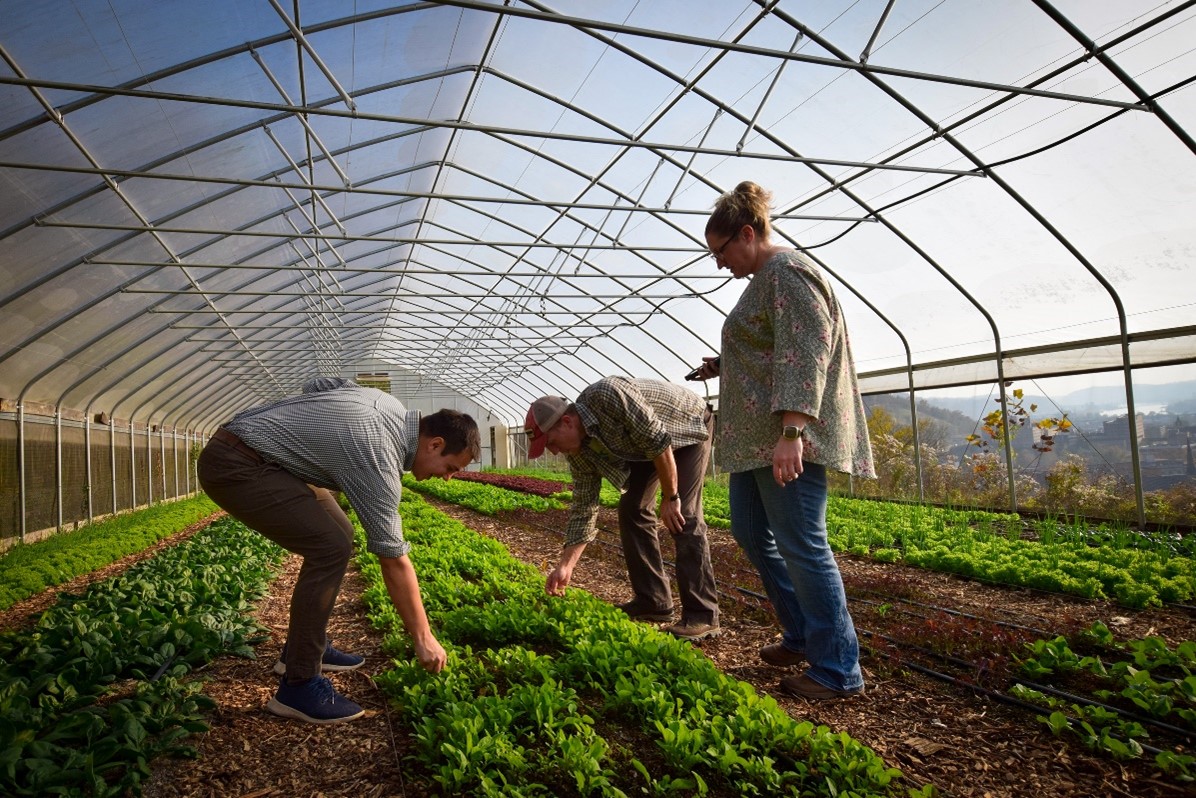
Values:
[(639, 434)]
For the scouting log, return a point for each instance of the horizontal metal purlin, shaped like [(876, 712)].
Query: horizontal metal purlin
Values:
[(382, 335), (204, 231), (355, 347), (528, 355), (405, 312), (620, 143), (393, 296), (516, 349), (396, 327), (415, 271), (430, 195), (286, 108)]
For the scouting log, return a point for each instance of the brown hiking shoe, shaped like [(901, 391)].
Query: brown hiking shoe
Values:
[(804, 687), (777, 654), (694, 632)]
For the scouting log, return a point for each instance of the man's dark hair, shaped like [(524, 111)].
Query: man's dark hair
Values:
[(459, 430)]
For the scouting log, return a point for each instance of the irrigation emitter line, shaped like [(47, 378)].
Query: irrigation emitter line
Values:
[(994, 695), (1186, 735)]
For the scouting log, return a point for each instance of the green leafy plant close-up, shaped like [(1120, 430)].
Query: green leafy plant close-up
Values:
[(1117, 697)]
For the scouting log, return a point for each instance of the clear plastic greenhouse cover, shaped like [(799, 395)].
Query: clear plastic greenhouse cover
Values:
[(205, 203)]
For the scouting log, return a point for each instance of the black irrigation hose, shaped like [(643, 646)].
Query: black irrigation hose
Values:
[(959, 663), (1177, 606), (1186, 735), (165, 665), (1183, 734), (993, 621), (1001, 697)]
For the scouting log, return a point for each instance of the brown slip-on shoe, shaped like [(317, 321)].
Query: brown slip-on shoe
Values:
[(777, 654), (693, 632), (637, 613), (804, 687)]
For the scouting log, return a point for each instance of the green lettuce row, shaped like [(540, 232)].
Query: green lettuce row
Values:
[(566, 696), (974, 543), (28, 569), (93, 691)]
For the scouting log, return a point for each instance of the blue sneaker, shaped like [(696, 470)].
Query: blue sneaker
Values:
[(334, 660), (314, 701)]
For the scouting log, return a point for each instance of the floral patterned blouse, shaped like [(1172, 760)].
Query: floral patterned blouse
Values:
[(785, 348)]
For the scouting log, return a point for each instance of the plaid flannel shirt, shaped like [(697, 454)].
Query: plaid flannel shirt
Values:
[(626, 420)]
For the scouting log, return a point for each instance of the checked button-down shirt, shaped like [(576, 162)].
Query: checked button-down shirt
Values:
[(626, 420)]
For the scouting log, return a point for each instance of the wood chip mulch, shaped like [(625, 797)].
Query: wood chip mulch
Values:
[(965, 744)]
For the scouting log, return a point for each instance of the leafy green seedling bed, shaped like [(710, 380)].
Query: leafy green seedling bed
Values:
[(566, 696), (28, 569), (94, 691)]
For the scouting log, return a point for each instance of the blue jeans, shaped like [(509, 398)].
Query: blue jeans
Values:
[(783, 532)]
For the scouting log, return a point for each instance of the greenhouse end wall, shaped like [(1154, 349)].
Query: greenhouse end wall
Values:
[(130, 466)]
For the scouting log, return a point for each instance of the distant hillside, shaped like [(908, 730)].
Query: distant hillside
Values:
[(946, 425)]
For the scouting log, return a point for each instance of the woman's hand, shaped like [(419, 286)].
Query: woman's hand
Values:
[(787, 460), (708, 369)]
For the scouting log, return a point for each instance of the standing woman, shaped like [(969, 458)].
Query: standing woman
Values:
[(789, 409)]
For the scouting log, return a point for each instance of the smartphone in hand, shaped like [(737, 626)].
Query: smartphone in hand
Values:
[(693, 375)]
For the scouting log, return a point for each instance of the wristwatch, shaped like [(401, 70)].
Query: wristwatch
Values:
[(676, 497), (791, 432)]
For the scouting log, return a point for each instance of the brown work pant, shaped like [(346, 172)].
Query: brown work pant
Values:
[(640, 533), (302, 519)]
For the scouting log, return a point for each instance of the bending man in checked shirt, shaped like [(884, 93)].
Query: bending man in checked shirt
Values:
[(639, 434)]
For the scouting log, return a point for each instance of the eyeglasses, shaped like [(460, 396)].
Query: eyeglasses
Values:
[(718, 253)]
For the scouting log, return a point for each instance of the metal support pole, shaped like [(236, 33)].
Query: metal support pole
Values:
[(132, 468), (90, 480), (162, 457), (668, 203), (21, 464), (875, 33), (311, 51), (913, 421), (58, 463), (768, 93), (112, 457)]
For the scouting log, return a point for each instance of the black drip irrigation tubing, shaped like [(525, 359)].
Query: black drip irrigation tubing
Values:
[(994, 695), (993, 621), (1183, 734), (1187, 736)]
